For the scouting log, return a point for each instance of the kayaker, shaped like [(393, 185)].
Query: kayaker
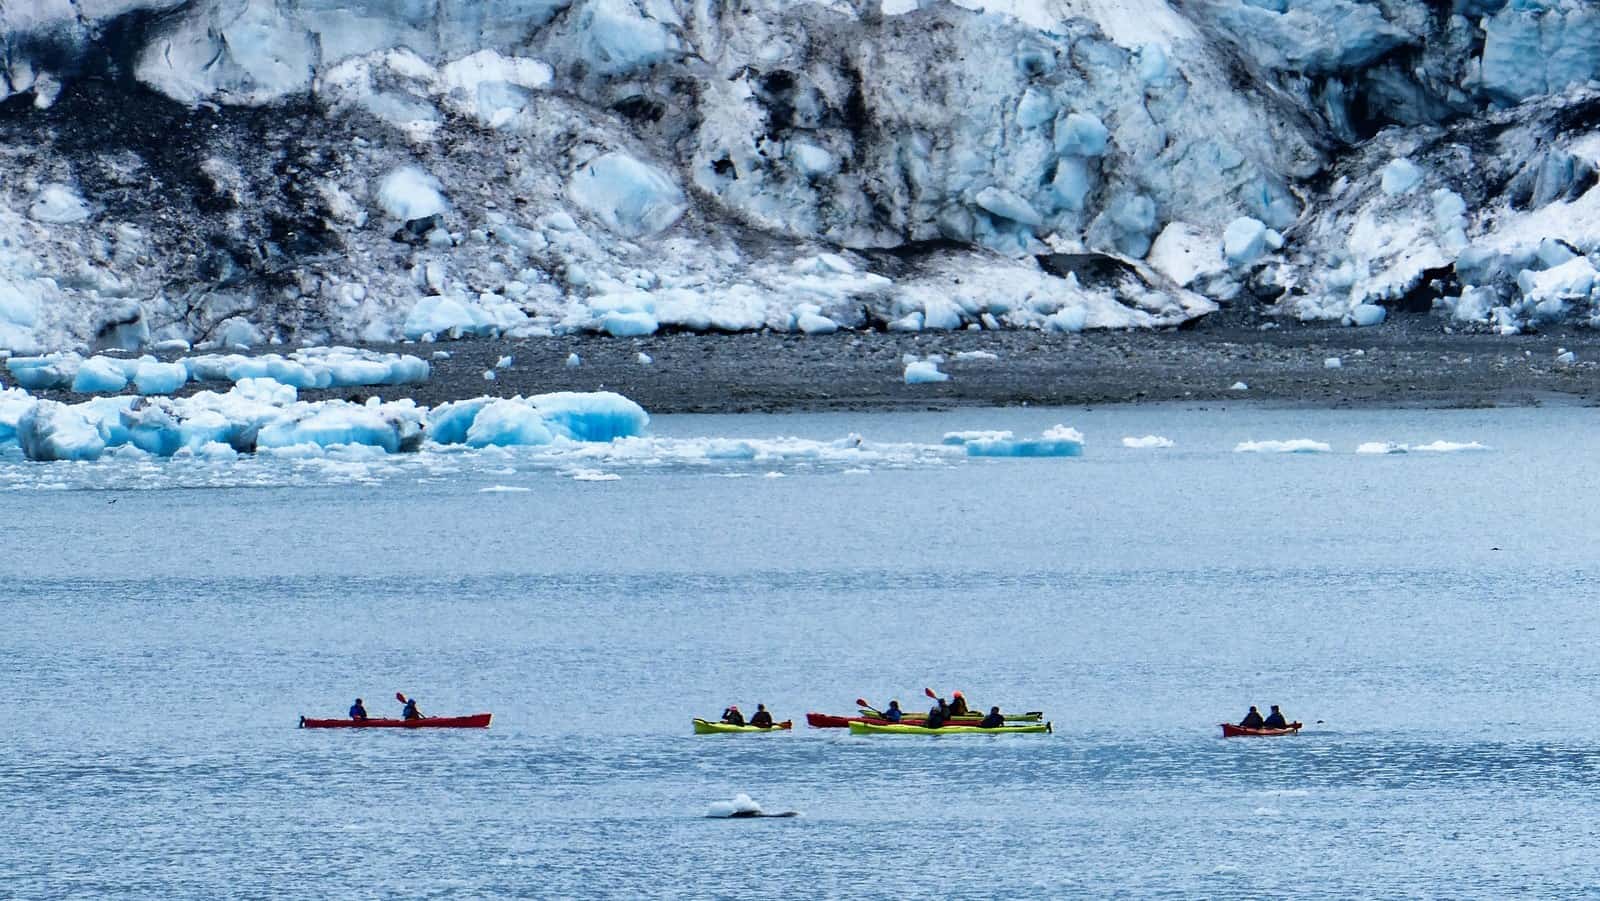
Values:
[(958, 705), (938, 715), (1252, 720), (1275, 720), (762, 719), (894, 713), (732, 716), (411, 712), (358, 711), (993, 721)]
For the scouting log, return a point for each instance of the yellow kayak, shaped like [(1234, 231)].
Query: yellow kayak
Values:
[(706, 727)]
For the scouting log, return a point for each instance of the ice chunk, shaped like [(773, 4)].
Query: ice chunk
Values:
[(44, 373), (330, 424), (594, 475), (1244, 241), (814, 323), (508, 423), (439, 315), (54, 431), (1364, 315), (976, 355), (1238, 386), (410, 193), (1449, 447), (629, 324), (1059, 441), (1332, 363), (154, 377), (1008, 205), (924, 371), (1293, 446), (59, 205), (1381, 447), (630, 197), (1400, 176), (488, 375), (1082, 134), (574, 361), (100, 375), (618, 38), (959, 439), (592, 416), (1148, 441), (503, 363), (644, 358)]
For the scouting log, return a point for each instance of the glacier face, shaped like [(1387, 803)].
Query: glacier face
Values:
[(238, 172)]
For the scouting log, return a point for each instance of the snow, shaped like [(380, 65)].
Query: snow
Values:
[(1059, 441), (409, 193), (1148, 441), (923, 372), (1293, 446)]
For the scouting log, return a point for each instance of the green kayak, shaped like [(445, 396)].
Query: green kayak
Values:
[(706, 727), (870, 729)]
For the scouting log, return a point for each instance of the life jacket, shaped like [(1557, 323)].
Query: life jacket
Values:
[(357, 712), (762, 718)]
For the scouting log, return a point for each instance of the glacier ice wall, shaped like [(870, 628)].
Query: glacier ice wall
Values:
[(246, 171)]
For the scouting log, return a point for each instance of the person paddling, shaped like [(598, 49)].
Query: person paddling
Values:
[(411, 712), (893, 714), (762, 719), (1252, 720), (732, 716), (358, 711), (993, 721), (1275, 720), (938, 715), (958, 704)]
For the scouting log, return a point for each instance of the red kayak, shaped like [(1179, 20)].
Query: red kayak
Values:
[(829, 721), (1229, 730), (473, 721)]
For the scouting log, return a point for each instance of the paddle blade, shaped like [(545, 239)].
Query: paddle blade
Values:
[(861, 702), (400, 696), (929, 693)]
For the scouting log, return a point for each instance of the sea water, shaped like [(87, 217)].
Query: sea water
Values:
[(1431, 617)]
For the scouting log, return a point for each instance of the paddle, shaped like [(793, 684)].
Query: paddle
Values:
[(862, 703), (400, 696)]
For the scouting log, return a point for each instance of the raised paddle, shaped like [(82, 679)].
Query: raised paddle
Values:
[(929, 693), (862, 703)]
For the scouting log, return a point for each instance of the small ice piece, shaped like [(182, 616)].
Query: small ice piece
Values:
[(1082, 134), (153, 377), (504, 489), (441, 355), (594, 475), (923, 372), (629, 323), (171, 346), (1293, 446), (1400, 176), (1381, 447), (100, 375), (977, 355), (1148, 441), (962, 438), (1238, 386), (1449, 447), (1059, 441), (503, 363), (1332, 363), (1566, 358), (644, 358), (740, 805), (574, 361), (409, 193), (1365, 315), (488, 375), (815, 324), (1244, 241)]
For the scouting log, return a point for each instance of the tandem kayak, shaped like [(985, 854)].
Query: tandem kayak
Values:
[(1229, 730), (472, 721), (829, 721), (903, 729), (706, 727)]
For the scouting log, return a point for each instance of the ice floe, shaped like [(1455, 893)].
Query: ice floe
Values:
[(1293, 446)]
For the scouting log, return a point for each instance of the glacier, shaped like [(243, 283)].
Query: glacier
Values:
[(313, 172)]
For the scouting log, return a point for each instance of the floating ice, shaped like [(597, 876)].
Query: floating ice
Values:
[(1059, 441), (923, 372), (593, 475), (1332, 363), (1294, 446), (1381, 447), (741, 804), (961, 439), (1148, 441), (154, 377), (504, 489), (1449, 447), (100, 375)]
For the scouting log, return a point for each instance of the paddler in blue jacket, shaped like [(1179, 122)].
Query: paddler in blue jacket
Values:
[(1275, 719), (894, 713), (358, 711), (411, 712)]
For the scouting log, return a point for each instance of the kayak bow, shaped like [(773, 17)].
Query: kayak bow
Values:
[(902, 729), (706, 727), (472, 721), (1229, 730)]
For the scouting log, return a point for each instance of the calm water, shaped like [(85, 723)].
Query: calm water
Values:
[(1437, 612)]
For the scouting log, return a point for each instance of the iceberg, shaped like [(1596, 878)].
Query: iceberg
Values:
[(1059, 441), (1293, 446), (922, 372)]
